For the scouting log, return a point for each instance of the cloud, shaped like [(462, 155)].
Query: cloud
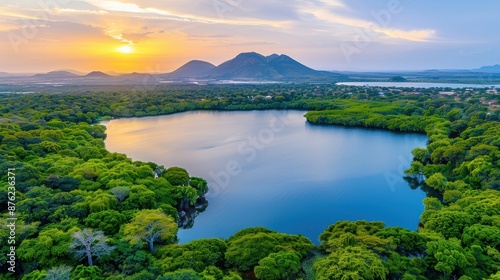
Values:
[(83, 12), (130, 7), (207, 13), (247, 43), (419, 35), (137, 37), (332, 16), (174, 31), (117, 35), (11, 12)]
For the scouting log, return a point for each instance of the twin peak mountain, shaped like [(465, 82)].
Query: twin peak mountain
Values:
[(249, 66)]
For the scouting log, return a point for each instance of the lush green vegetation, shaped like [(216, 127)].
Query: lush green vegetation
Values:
[(86, 213)]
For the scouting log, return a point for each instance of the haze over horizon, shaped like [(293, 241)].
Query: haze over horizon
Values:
[(124, 36)]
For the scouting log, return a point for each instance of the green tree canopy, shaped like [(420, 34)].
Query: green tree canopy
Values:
[(177, 176), (352, 263), (449, 256), (151, 226), (278, 266), (109, 221)]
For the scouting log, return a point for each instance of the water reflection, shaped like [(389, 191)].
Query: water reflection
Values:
[(272, 169)]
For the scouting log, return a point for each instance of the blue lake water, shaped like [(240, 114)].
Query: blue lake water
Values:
[(273, 169), (418, 85)]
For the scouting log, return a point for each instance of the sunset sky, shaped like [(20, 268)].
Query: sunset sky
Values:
[(159, 36)]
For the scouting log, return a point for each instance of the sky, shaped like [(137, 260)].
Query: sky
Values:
[(148, 36)]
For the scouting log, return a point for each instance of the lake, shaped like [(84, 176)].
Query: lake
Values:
[(417, 85), (273, 169)]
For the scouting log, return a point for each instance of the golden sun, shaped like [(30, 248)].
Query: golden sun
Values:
[(125, 49)]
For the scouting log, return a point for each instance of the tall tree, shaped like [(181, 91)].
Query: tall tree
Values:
[(120, 193), (151, 226), (88, 243), (59, 273)]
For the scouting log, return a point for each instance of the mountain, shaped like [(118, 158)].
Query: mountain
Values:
[(72, 71), (97, 74), (193, 69), (56, 75), (254, 66), (489, 69), (245, 66), (288, 67), (133, 75), (397, 79)]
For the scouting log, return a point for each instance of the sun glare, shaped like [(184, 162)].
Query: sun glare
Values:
[(125, 49)]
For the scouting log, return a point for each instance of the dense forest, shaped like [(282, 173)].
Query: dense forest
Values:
[(73, 210)]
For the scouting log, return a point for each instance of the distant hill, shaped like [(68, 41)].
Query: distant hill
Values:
[(398, 79), (193, 69), (72, 71), (56, 75), (97, 74), (489, 69), (133, 75), (253, 65)]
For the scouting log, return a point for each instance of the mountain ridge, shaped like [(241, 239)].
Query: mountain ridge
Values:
[(489, 69), (58, 74), (97, 74)]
